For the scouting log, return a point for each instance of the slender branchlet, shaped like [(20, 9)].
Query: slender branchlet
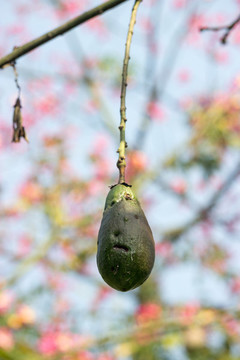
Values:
[(226, 28), (16, 78), (121, 163)]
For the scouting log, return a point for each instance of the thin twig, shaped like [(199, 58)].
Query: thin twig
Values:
[(69, 25), (16, 78), (227, 28), (121, 164)]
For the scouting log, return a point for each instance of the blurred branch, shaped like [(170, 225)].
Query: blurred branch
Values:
[(160, 84), (203, 213), (155, 17), (27, 263), (226, 28), (60, 30)]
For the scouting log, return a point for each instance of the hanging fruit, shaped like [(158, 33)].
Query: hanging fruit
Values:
[(126, 250)]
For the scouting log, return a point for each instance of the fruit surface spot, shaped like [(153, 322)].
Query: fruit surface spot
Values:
[(121, 247)]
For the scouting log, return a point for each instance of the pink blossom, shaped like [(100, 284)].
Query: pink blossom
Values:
[(31, 191), (29, 119), (102, 169), (100, 144), (97, 25), (195, 23), (71, 7), (64, 341), (52, 342), (188, 312), (147, 24), (56, 281), (47, 344), (221, 56), (48, 105), (6, 300), (95, 187), (6, 339), (236, 35), (155, 111), (179, 186), (85, 355), (15, 29), (232, 326), (12, 212), (179, 4), (235, 285), (70, 89), (24, 245), (164, 249), (137, 160), (91, 106), (147, 312)]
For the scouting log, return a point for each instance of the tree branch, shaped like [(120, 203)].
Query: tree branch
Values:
[(227, 28), (60, 30), (203, 213)]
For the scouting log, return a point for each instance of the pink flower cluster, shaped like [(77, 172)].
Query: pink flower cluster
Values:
[(148, 312), (6, 339), (58, 342)]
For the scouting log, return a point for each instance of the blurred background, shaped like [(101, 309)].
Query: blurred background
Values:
[(183, 135)]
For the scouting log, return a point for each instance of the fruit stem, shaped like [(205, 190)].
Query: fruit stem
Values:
[(121, 163)]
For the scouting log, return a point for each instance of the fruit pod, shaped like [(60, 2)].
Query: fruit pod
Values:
[(126, 250)]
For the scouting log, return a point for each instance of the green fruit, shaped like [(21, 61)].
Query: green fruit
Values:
[(126, 250)]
